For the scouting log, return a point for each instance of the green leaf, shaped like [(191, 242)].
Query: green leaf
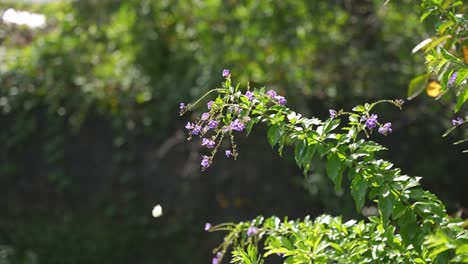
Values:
[(461, 99), (408, 226), (461, 76), (399, 210), (386, 205), (416, 86), (273, 135), (358, 190), (448, 56), (334, 170), (299, 152), (359, 108), (436, 42)]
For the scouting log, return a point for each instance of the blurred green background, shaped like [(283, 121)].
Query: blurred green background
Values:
[(91, 139)]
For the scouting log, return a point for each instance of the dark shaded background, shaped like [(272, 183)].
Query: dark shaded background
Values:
[(91, 139)]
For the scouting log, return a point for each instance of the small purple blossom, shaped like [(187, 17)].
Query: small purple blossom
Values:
[(249, 95), (452, 79), (371, 122), (458, 121), (207, 226), (228, 153), (252, 231), (226, 73), (333, 113), (386, 128), (189, 126), (208, 143), (209, 104), (205, 163), (281, 100), (213, 124), (196, 130), (217, 258), (205, 116), (271, 93), (363, 119), (237, 125), (182, 107)]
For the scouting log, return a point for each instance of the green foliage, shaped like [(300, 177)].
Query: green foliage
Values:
[(446, 52), (407, 214)]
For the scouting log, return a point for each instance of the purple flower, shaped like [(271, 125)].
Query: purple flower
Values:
[(208, 143), (252, 231), (271, 93), (333, 113), (237, 125), (213, 124), (196, 130), (226, 73), (386, 128), (452, 78), (249, 95), (189, 126), (207, 226), (205, 116), (363, 119), (281, 100), (217, 258), (371, 122), (228, 153), (205, 163), (209, 104), (458, 121), (182, 107)]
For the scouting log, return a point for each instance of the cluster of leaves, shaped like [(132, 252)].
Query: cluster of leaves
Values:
[(446, 54), (407, 213)]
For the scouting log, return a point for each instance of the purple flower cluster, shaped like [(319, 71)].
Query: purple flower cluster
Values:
[(271, 93), (208, 143), (205, 116), (281, 100), (228, 153), (207, 226), (252, 231), (194, 129), (209, 105), (249, 95), (386, 128), (371, 122), (212, 124), (206, 162), (333, 113), (217, 258), (226, 73), (452, 79), (458, 121), (182, 107), (237, 125)]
